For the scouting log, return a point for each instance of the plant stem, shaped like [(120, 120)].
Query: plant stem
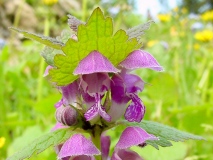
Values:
[(96, 139), (84, 10), (42, 64), (17, 18)]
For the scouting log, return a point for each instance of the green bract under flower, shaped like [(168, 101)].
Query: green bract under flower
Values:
[(96, 34)]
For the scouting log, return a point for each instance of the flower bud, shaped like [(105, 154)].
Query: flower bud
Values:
[(66, 115)]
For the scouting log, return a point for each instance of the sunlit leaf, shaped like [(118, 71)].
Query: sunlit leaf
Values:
[(42, 143), (96, 34), (164, 133), (51, 42)]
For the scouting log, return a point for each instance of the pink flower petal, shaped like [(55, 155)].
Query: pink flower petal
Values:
[(70, 93), (46, 72), (132, 82), (116, 110), (93, 63), (132, 136), (136, 110), (91, 113), (105, 144), (96, 109), (125, 154), (95, 83), (78, 145), (59, 103), (58, 126), (141, 59), (83, 158)]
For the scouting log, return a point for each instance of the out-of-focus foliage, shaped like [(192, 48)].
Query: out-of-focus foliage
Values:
[(197, 6), (181, 97)]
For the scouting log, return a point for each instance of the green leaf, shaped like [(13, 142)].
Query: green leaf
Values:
[(164, 133), (178, 151), (138, 31), (49, 53), (51, 42), (42, 143), (96, 34)]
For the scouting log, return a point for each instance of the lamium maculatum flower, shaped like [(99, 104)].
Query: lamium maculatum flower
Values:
[(95, 81), (125, 87), (92, 69), (77, 147), (103, 91)]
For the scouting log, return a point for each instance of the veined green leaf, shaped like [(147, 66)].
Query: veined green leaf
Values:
[(50, 42), (96, 34), (42, 143), (164, 133)]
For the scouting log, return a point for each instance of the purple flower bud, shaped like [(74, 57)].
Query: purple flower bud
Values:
[(66, 115)]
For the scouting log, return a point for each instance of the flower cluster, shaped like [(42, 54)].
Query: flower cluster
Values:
[(164, 17), (102, 95), (204, 36), (207, 16)]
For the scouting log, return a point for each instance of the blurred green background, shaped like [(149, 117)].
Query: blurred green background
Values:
[(181, 96)]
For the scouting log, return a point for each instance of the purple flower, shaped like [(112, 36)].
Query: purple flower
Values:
[(125, 154), (70, 93), (66, 115), (125, 87), (95, 85), (78, 148), (95, 62), (99, 81), (95, 82), (140, 59), (131, 136)]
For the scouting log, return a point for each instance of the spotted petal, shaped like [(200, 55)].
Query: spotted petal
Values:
[(78, 145), (132, 136), (141, 59), (136, 110), (93, 63), (96, 109)]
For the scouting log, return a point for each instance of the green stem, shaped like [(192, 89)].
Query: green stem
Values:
[(96, 139), (42, 64), (176, 66), (84, 10), (17, 17)]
